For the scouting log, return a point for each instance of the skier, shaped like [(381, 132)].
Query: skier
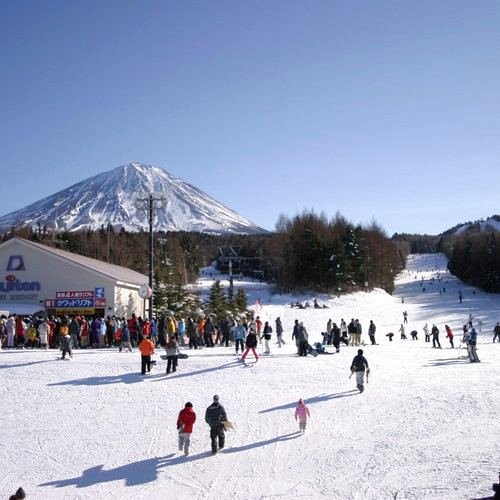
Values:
[(302, 414), (279, 332), (449, 335), (426, 333), (358, 366), (215, 416), (496, 332), (435, 336), (405, 317), (471, 346), (185, 422), (371, 332), (251, 343)]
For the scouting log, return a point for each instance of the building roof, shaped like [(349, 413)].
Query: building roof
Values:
[(113, 271)]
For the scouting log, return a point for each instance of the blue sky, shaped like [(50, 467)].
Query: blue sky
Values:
[(379, 110)]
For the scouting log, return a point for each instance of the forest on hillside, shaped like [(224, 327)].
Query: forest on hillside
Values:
[(306, 252)]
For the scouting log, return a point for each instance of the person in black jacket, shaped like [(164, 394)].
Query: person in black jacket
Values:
[(358, 366), (215, 416)]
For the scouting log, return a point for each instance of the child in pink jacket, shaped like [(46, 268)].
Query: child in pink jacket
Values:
[(302, 414)]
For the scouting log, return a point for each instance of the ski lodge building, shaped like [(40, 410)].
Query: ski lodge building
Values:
[(35, 278)]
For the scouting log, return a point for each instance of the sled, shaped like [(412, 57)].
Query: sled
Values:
[(228, 425), (312, 351)]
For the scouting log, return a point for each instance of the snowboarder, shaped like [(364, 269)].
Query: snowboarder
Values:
[(185, 422), (172, 351), (215, 416), (358, 366), (371, 332), (302, 414)]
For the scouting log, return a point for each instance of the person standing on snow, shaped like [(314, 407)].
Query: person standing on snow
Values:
[(371, 332), (185, 422), (239, 333), (251, 343), (336, 337), (215, 416), (402, 332), (303, 340), (449, 335), (302, 414), (279, 332), (435, 337), (266, 333), (295, 335), (358, 366), (471, 346), (147, 348), (496, 332), (426, 333)]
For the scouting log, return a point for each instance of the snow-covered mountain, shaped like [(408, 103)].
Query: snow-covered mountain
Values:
[(490, 224), (119, 197)]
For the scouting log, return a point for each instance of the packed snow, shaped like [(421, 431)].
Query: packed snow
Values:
[(426, 426)]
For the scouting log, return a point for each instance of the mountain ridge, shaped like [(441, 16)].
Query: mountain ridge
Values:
[(120, 197)]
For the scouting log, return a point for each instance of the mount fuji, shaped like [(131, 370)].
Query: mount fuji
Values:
[(120, 197)]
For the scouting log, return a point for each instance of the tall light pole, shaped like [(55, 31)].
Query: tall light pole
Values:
[(151, 202)]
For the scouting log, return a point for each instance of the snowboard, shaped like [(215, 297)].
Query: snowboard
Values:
[(182, 355)]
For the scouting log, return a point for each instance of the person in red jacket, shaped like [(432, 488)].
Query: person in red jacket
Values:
[(147, 348), (185, 422)]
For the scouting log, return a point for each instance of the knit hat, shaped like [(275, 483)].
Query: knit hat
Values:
[(188, 405), (360, 351), (216, 398), (20, 494)]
